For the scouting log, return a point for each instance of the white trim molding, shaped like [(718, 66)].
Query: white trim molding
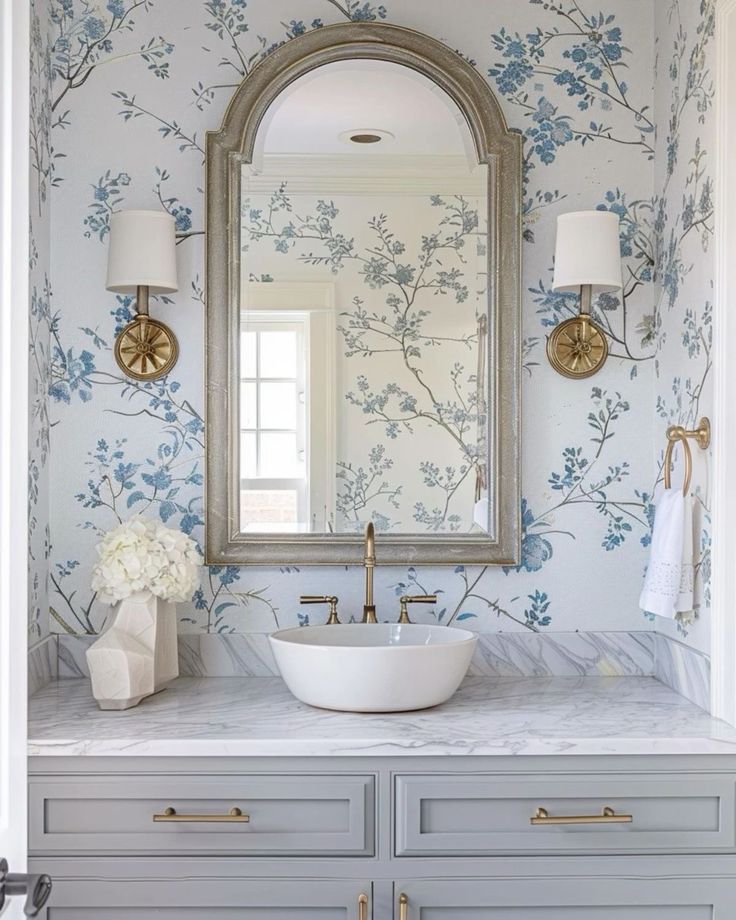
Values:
[(14, 247), (723, 629)]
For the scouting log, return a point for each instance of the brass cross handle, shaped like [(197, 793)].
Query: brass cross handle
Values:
[(333, 618), (413, 599)]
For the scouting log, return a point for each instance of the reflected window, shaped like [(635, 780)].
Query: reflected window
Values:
[(273, 412)]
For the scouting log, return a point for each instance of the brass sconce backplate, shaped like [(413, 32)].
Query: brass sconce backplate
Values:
[(146, 349), (577, 348)]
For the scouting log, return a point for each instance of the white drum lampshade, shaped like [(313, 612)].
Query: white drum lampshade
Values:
[(588, 252), (142, 252)]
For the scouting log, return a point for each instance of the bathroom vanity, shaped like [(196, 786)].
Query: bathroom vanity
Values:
[(590, 798)]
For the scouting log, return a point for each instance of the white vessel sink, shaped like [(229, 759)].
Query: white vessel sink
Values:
[(385, 667)]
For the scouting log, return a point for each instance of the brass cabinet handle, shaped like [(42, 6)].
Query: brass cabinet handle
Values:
[(234, 816), (607, 816), (403, 907), (362, 907)]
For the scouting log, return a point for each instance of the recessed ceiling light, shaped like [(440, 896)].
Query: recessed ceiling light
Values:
[(365, 136)]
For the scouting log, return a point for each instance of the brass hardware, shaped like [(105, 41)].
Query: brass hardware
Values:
[(369, 562), (403, 907), (668, 464), (413, 599), (146, 349), (362, 907), (333, 618), (578, 347), (234, 816), (607, 816), (701, 435)]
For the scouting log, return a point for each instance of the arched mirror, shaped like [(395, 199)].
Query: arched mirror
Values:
[(363, 272)]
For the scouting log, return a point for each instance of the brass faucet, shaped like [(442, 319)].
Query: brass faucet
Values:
[(369, 607), (369, 562)]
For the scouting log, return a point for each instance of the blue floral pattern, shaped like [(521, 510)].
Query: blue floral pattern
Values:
[(576, 80)]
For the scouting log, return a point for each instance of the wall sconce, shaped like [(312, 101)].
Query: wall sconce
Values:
[(141, 258), (588, 261)]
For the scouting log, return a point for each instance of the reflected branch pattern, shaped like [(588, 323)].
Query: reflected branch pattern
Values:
[(403, 328)]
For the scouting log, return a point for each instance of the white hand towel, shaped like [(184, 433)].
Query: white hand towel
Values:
[(685, 601), (662, 584)]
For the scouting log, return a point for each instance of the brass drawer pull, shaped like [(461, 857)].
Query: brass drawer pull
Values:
[(607, 816), (363, 907), (403, 907), (234, 816)]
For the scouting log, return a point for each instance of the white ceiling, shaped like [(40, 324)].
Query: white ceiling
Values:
[(309, 117)]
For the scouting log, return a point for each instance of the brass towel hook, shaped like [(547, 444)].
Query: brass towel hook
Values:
[(675, 434)]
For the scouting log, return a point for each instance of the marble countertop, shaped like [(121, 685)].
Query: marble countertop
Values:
[(259, 717)]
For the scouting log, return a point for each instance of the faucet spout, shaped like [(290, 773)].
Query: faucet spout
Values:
[(369, 563)]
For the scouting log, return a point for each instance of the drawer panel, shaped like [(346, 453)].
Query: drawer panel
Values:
[(288, 815), (202, 899), (568, 898), (477, 815)]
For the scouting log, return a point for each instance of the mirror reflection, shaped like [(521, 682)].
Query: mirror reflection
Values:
[(364, 357)]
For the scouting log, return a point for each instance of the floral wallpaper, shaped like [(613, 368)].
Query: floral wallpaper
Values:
[(125, 94), (41, 323), (681, 323)]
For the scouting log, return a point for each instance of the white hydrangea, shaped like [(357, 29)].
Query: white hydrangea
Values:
[(144, 555)]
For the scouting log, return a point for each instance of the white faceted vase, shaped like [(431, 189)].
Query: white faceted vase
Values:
[(137, 655)]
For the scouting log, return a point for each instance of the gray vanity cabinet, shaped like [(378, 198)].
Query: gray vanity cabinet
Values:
[(567, 899), (345, 838)]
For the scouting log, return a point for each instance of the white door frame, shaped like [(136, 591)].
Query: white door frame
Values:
[(14, 247), (723, 611)]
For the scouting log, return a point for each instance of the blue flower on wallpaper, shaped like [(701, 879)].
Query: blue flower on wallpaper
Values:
[(72, 375), (574, 470), (551, 131), (553, 306), (536, 550), (536, 613), (297, 27), (107, 196), (649, 508), (361, 12)]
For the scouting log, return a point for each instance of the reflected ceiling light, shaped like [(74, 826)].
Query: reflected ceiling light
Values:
[(365, 136)]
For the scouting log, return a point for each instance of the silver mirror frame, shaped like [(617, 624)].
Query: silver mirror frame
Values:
[(232, 146)]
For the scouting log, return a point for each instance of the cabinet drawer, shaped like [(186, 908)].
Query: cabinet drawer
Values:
[(286, 815), (202, 899), (481, 815), (567, 899)]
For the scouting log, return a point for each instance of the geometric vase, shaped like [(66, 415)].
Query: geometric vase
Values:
[(137, 655)]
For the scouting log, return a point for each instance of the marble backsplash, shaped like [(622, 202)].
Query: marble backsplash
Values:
[(43, 663), (574, 654)]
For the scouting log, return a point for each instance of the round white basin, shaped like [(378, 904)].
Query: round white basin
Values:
[(384, 667)]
